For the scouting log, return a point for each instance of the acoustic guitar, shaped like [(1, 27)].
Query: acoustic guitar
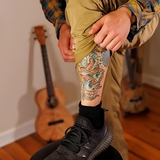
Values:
[(53, 118), (133, 98)]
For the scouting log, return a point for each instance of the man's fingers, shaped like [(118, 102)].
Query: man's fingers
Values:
[(67, 54), (68, 58), (117, 46), (108, 39), (72, 43), (101, 35), (97, 26), (65, 43), (64, 47), (111, 43)]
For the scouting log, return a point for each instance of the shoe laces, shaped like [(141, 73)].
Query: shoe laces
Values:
[(76, 137)]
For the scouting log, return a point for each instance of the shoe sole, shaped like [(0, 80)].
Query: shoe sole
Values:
[(102, 146)]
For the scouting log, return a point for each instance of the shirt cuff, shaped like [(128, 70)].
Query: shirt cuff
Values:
[(136, 10), (133, 32)]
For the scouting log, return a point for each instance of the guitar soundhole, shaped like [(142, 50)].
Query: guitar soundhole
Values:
[(52, 102), (136, 99), (55, 122)]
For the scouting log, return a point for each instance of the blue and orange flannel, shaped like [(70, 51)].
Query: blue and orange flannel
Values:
[(144, 10)]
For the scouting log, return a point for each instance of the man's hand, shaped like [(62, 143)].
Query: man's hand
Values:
[(112, 29), (65, 43)]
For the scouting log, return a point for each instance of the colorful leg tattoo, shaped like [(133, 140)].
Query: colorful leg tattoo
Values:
[(91, 71)]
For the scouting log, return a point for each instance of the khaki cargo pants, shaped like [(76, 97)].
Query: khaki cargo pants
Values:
[(81, 15)]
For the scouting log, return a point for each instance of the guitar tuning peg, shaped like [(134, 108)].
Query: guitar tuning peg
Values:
[(45, 30), (33, 32), (46, 36), (35, 38)]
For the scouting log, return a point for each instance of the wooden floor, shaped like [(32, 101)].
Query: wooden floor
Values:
[(141, 132)]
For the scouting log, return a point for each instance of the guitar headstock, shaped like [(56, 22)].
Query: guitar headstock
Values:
[(40, 34)]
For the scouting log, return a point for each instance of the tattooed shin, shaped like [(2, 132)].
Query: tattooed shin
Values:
[(91, 71)]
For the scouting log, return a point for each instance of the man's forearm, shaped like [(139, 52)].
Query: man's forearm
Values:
[(54, 12)]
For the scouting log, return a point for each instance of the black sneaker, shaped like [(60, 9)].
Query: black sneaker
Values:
[(82, 142)]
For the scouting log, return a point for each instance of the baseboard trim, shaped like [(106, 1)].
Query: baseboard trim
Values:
[(151, 80), (16, 133), (27, 128)]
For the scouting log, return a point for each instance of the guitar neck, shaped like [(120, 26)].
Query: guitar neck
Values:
[(48, 77)]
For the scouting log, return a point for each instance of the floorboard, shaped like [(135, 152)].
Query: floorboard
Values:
[(16, 151), (30, 145), (4, 155)]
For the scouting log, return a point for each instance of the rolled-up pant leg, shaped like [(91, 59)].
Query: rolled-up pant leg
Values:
[(110, 101)]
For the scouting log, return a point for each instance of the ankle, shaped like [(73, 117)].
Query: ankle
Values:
[(94, 114)]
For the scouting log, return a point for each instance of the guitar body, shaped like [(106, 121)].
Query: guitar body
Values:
[(135, 100), (47, 115)]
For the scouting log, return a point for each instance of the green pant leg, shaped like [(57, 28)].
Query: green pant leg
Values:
[(110, 101)]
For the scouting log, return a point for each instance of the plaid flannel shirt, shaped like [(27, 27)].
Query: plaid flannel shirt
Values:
[(144, 10), (54, 12)]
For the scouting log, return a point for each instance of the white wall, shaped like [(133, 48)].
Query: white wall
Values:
[(151, 62), (21, 68)]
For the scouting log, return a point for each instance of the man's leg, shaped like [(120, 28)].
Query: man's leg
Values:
[(108, 98), (92, 72), (90, 134)]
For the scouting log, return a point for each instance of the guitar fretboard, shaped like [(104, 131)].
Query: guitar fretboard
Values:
[(48, 77)]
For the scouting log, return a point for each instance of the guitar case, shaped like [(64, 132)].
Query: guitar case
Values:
[(110, 153)]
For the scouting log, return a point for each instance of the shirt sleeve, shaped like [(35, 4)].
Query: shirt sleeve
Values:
[(54, 12), (144, 10)]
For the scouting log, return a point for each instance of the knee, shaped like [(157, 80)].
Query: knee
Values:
[(143, 36)]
